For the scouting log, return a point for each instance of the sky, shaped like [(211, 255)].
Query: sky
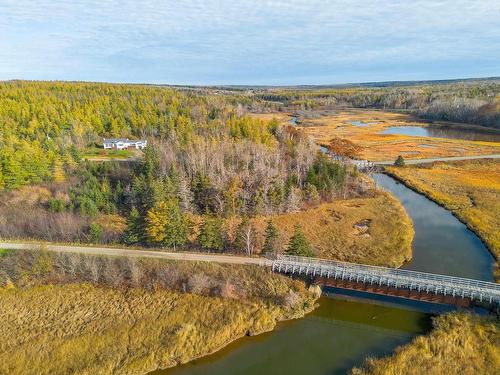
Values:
[(253, 42)]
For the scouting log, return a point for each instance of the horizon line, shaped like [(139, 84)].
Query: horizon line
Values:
[(229, 85)]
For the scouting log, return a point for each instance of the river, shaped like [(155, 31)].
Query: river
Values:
[(346, 328)]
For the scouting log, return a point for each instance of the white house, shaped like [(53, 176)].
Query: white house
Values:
[(124, 143)]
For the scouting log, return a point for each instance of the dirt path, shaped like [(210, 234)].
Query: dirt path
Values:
[(196, 257), (431, 160)]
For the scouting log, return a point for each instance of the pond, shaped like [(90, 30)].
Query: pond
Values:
[(442, 132)]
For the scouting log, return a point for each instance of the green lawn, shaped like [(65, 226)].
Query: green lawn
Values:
[(4, 252), (95, 152)]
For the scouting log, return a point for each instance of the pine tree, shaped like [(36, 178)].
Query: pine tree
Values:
[(166, 225), (134, 231), (312, 194), (258, 203), (271, 240), (95, 232), (211, 235), (299, 245), (400, 161), (150, 165), (203, 193)]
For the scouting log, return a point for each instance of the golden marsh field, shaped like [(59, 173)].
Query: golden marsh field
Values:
[(380, 147)]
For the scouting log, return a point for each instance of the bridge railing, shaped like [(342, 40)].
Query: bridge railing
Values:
[(447, 285)]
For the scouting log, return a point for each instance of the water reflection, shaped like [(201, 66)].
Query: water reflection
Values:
[(338, 335), (441, 132), (442, 244)]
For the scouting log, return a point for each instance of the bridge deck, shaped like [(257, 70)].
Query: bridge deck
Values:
[(475, 290)]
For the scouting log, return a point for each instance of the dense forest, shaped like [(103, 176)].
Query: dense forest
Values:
[(209, 168), (45, 126), (206, 162), (474, 102)]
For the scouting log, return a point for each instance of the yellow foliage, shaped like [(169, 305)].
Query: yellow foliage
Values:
[(112, 223), (156, 220)]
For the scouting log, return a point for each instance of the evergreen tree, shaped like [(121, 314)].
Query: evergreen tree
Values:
[(400, 161), (211, 234), (95, 232), (326, 174), (203, 193), (166, 225), (299, 245), (258, 202), (271, 240), (150, 165), (134, 231), (276, 195), (312, 194)]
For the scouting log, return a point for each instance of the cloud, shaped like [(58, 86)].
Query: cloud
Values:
[(204, 41)]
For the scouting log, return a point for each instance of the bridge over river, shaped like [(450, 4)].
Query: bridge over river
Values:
[(390, 281), (377, 280)]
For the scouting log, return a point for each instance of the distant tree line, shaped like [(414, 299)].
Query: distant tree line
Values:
[(475, 102)]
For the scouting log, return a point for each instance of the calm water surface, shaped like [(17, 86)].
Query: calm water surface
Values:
[(338, 335), (442, 244), (341, 333), (440, 132)]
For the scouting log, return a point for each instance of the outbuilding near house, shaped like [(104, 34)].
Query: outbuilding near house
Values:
[(124, 143)]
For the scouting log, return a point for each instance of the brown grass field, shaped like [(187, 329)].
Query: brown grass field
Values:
[(377, 147), (470, 189), (375, 230), (83, 328), (459, 344)]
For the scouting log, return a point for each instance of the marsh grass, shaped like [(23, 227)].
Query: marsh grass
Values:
[(374, 230), (84, 329), (83, 314), (376, 146), (460, 343)]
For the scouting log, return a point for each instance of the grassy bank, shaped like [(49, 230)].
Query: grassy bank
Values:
[(374, 230), (470, 189), (133, 320), (459, 344)]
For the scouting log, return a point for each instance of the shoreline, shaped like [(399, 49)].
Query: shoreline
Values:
[(236, 339), (440, 204)]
